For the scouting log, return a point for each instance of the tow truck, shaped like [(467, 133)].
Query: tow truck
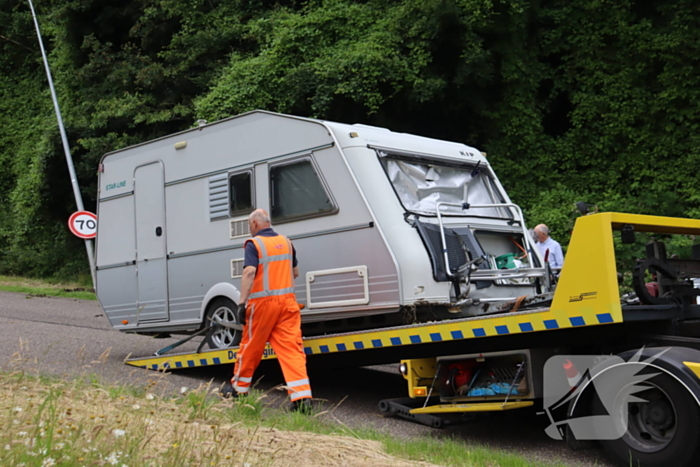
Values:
[(521, 358)]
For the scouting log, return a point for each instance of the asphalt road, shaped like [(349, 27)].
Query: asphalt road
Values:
[(71, 338)]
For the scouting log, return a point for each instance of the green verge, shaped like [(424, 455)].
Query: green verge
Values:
[(50, 422), (42, 287), (252, 411)]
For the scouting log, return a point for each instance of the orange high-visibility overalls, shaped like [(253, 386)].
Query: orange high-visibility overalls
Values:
[(273, 315)]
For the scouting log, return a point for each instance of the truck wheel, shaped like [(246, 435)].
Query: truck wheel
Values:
[(661, 432), (222, 309)]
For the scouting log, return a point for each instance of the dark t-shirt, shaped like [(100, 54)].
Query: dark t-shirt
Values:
[(251, 253)]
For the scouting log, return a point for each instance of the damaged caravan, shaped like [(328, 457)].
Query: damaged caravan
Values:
[(389, 227)]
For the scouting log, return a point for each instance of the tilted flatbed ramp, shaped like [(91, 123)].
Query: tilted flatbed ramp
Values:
[(395, 337)]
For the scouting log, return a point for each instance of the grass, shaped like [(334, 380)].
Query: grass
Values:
[(46, 422), (47, 287), (49, 423)]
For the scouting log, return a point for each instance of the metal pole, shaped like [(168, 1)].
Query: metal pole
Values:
[(66, 148)]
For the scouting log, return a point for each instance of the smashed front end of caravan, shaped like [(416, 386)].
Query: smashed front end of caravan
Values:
[(475, 238)]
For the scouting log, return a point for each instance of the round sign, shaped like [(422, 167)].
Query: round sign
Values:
[(83, 224)]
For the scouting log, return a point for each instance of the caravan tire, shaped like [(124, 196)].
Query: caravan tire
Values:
[(222, 309)]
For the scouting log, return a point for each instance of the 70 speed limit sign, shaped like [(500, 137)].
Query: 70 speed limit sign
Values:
[(83, 224)]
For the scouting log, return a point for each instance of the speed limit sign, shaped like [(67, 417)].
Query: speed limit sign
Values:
[(83, 224)]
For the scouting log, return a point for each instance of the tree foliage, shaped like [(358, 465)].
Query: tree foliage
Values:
[(595, 100)]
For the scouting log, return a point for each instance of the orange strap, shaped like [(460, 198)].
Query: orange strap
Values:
[(518, 301), (518, 245)]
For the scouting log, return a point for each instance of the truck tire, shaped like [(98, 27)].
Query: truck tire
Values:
[(222, 309), (661, 432)]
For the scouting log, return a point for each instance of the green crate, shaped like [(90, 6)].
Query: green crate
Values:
[(506, 261)]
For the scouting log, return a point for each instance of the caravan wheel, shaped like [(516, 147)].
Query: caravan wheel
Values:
[(222, 309)]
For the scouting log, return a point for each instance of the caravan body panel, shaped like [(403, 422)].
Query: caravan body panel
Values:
[(201, 249)]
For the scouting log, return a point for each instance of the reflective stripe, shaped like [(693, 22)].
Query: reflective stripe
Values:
[(271, 293), (241, 389), (249, 321), (291, 261), (263, 259), (243, 379), (293, 384), (299, 395), (237, 375), (261, 244), (270, 259)]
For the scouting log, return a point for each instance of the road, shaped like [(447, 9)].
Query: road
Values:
[(71, 338)]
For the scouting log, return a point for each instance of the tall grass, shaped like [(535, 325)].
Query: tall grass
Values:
[(47, 287), (46, 422)]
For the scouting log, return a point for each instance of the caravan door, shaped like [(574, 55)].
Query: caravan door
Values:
[(151, 267)]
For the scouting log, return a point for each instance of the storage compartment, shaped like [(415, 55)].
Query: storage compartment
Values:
[(489, 376)]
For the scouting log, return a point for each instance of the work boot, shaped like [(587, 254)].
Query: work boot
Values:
[(305, 406), (226, 391)]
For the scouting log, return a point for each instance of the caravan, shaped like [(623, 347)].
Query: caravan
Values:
[(389, 228)]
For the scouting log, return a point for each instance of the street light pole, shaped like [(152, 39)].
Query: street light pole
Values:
[(66, 148)]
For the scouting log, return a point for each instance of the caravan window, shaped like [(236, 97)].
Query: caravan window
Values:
[(241, 193), (296, 191)]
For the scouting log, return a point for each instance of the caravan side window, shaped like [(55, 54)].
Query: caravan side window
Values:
[(296, 191), (241, 199)]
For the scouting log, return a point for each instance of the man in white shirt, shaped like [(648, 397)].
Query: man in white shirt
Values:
[(549, 248)]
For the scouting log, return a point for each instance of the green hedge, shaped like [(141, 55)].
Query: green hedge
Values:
[(595, 100)]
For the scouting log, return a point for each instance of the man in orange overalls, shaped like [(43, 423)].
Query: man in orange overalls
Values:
[(269, 311)]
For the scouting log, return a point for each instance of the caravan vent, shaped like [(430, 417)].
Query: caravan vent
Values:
[(236, 268), (240, 228), (218, 196)]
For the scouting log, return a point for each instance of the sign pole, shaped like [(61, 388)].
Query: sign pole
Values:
[(66, 148)]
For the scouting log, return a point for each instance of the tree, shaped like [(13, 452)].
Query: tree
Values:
[(572, 100)]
